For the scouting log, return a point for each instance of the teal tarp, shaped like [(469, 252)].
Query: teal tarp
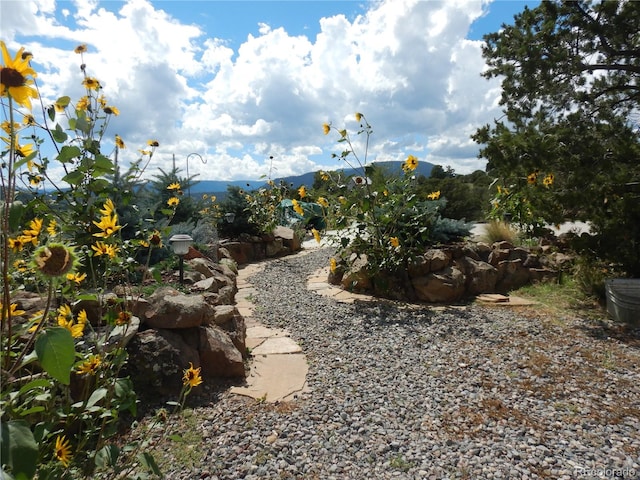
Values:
[(313, 214)]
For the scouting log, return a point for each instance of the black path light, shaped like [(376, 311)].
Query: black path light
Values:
[(180, 244)]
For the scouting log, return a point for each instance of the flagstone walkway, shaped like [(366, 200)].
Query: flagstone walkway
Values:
[(278, 368)]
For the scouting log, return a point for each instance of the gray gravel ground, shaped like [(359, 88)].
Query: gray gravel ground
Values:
[(413, 393)]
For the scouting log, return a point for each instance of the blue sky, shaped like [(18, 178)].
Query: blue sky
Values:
[(239, 82)]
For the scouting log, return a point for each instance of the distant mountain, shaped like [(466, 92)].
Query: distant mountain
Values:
[(219, 187)]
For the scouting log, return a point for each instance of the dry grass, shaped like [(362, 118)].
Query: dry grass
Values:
[(499, 231)]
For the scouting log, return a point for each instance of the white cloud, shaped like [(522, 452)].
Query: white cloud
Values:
[(404, 63)]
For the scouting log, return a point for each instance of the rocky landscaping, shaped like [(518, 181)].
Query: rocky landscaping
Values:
[(453, 272), (402, 391)]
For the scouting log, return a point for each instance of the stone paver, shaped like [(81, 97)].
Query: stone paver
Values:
[(276, 377), (276, 346), (278, 370)]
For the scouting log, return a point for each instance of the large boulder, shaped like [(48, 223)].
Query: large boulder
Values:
[(157, 359), (357, 277), (481, 277), (169, 308), (219, 357), (229, 319), (512, 274), (290, 240), (437, 259), (446, 285)]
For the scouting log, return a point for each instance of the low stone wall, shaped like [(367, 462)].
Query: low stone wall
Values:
[(453, 272), (202, 327), (251, 248)]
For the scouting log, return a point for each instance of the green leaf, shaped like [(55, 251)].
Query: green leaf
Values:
[(29, 358), (31, 410), (99, 185), (63, 101), (104, 163), (59, 135), (176, 438), (35, 384), (87, 296), (51, 113), (147, 460), (16, 211), (68, 153), (82, 125), (107, 456), (97, 395), (56, 352), (24, 160), (73, 178), (18, 449)]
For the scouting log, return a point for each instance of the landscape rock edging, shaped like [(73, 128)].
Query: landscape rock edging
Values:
[(453, 272)]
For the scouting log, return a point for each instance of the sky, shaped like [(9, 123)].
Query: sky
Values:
[(239, 90)]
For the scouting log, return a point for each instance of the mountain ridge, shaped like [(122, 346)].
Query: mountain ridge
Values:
[(220, 187)]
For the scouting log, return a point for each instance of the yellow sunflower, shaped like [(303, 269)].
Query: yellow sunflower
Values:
[(91, 83), (192, 376), (62, 450), (82, 103), (108, 208), (13, 310), (316, 234), (111, 110), (90, 365), (16, 244), (297, 207), (25, 150), (411, 163), (52, 228), (29, 120), (108, 224), (434, 195), (102, 248), (7, 127), (76, 277), (14, 81)]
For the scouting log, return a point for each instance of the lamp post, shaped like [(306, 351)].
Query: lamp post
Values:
[(189, 179), (180, 245)]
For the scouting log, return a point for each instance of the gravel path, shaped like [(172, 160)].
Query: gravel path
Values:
[(413, 393)]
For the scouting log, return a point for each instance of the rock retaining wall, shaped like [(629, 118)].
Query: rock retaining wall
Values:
[(248, 249), (453, 272)]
